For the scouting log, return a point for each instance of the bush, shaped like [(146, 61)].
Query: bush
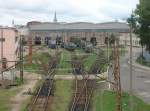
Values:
[(141, 60)]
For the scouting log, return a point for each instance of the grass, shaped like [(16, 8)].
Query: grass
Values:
[(18, 82), (65, 65), (107, 102), (141, 60), (34, 67), (89, 61), (27, 102), (5, 96), (123, 51), (62, 95)]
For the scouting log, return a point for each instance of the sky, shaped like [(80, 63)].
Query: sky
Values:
[(23, 11)]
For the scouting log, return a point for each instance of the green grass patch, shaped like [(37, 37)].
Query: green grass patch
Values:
[(107, 102), (18, 82), (62, 95), (5, 96), (122, 51), (89, 61), (79, 52), (35, 67), (65, 65)]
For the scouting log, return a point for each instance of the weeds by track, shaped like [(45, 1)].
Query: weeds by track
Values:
[(42, 99), (84, 88)]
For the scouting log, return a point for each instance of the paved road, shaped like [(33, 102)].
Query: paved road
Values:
[(141, 77)]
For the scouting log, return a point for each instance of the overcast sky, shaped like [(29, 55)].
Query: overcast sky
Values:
[(22, 11)]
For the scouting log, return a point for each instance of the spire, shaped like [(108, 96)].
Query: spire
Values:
[(13, 23), (55, 17)]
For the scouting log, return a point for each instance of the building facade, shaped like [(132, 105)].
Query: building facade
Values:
[(9, 46), (41, 33)]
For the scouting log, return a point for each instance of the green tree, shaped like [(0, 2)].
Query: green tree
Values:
[(140, 22)]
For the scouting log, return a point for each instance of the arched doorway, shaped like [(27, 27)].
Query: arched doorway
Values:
[(37, 40), (84, 39), (93, 41), (58, 40), (47, 40)]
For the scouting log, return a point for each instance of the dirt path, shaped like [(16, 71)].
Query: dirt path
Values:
[(20, 98)]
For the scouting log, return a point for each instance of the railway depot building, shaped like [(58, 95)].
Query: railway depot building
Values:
[(44, 32)]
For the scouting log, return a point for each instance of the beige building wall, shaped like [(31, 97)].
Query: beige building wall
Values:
[(66, 36), (10, 45), (124, 39), (100, 37)]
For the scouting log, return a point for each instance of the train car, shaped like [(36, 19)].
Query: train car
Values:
[(70, 46)]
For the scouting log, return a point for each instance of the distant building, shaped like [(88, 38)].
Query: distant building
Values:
[(9, 48), (43, 32), (125, 40)]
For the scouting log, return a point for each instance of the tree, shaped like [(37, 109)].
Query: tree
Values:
[(140, 22), (110, 39)]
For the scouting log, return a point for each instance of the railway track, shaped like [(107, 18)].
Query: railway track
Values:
[(97, 66), (84, 88), (42, 98)]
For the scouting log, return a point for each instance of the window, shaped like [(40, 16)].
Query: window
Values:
[(38, 40)]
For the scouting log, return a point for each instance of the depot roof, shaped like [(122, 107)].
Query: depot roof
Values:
[(79, 26)]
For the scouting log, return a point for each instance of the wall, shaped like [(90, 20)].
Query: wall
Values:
[(10, 45), (100, 37)]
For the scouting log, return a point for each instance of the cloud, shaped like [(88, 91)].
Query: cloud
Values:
[(23, 11)]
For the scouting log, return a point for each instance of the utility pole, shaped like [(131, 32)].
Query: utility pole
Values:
[(108, 46), (131, 75), (2, 40), (30, 50), (21, 59), (117, 75)]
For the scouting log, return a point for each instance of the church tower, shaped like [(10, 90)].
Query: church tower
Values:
[(55, 18)]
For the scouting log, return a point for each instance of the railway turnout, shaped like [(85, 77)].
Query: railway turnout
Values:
[(42, 98)]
